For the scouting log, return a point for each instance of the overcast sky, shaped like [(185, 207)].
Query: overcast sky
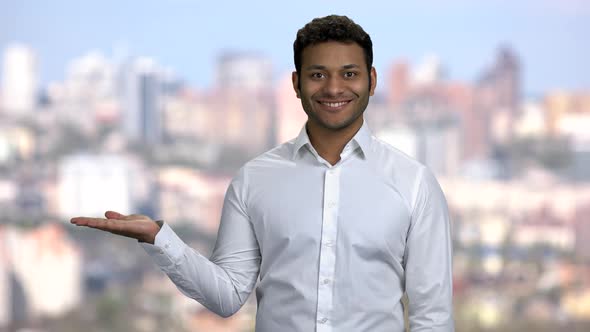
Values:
[(551, 37)]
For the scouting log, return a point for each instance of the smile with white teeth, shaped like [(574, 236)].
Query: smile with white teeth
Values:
[(337, 104)]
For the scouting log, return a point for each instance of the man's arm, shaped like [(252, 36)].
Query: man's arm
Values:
[(222, 283), (428, 259)]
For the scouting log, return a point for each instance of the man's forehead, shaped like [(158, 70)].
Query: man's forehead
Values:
[(346, 55)]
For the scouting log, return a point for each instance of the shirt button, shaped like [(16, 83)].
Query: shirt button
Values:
[(323, 320), (326, 281), (328, 243), (167, 246)]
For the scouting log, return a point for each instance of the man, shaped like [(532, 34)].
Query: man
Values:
[(335, 224)]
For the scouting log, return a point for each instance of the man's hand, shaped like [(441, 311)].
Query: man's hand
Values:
[(135, 226)]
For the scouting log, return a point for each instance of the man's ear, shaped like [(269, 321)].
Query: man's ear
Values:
[(373, 74), (295, 80)]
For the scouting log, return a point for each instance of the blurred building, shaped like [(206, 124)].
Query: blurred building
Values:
[(440, 112), (89, 185), (244, 98), (401, 137), (243, 71), (439, 147), (190, 117), (543, 228), (191, 196), (144, 87), (5, 289), (42, 269), (561, 198), (532, 122), (399, 83), (568, 116), (89, 94), (560, 104), (434, 143), (290, 115), (379, 114), (582, 231), (504, 77), (17, 143), (428, 72), (189, 315), (19, 80), (436, 121), (498, 97)]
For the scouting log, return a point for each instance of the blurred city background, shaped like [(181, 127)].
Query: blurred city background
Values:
[(151, 107)]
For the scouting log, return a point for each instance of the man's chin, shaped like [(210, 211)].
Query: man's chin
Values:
[(336, 126)]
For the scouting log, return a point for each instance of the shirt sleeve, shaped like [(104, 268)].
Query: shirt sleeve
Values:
[(428, 259), (223, 282)]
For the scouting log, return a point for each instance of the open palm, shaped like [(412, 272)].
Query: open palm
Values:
[(135, 226)]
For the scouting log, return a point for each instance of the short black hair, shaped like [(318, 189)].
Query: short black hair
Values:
[(332, 28)]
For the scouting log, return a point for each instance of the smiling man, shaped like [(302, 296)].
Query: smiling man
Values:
[(335, 224)]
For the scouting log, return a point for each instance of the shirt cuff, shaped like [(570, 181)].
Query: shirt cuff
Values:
[(167, 248)]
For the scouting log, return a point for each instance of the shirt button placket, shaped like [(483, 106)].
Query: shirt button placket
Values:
[(327, 250)]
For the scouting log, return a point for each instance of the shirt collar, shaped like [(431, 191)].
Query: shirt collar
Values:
[(361, 139)]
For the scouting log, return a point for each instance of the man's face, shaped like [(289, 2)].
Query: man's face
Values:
[(334, 84)]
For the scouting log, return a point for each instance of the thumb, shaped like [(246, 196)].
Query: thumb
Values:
[(113, 215)]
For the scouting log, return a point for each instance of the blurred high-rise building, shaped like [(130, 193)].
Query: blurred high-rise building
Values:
[(505, 76), (244, 97), (399, 83), (498, 97), (144, 87), (19, 80)]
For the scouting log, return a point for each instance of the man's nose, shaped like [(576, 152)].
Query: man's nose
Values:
[(334, 86)]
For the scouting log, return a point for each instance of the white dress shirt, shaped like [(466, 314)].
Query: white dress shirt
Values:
[(334, 247)]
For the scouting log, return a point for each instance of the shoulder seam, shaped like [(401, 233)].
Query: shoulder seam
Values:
[(416, 188)]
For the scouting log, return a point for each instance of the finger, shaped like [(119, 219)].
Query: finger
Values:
[(91, 222), (109, 225), (113, 215), (85, 221), (79, 221)]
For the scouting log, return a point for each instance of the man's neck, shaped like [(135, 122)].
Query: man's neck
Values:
[(330, 143)]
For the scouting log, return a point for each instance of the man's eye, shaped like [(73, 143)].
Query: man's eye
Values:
[(349, 74), (317, 75)]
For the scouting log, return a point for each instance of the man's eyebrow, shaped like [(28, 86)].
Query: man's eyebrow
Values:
[(351, 66), (315, 67), (322, 67)]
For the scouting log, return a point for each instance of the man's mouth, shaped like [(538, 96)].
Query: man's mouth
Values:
[(334, 104)]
